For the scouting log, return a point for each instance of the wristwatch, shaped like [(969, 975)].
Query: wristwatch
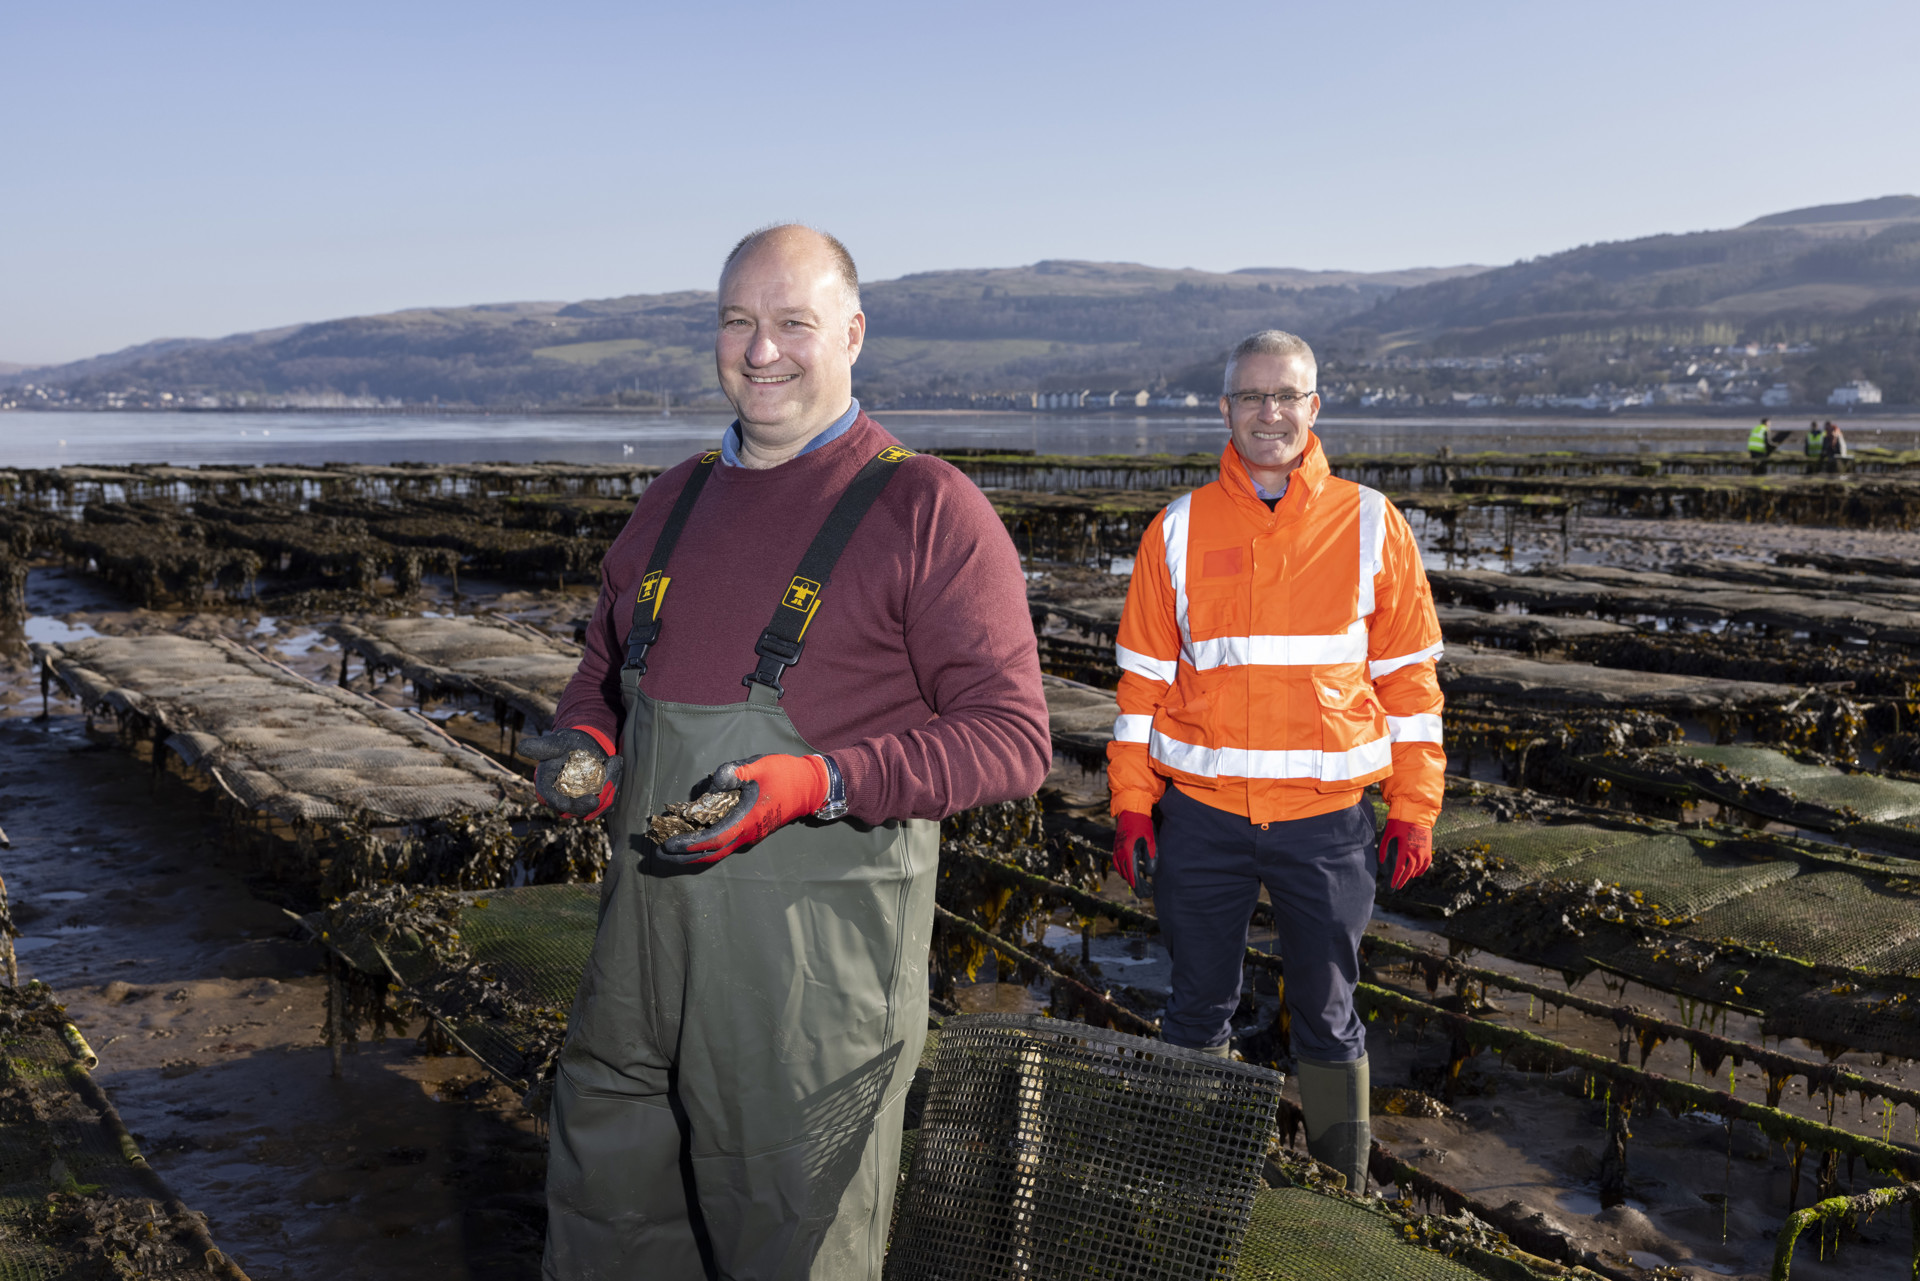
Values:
[(836, 806)]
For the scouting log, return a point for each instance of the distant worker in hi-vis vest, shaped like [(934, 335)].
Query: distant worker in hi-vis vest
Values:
[(1277, 655), (1816, 443), (836, 628), (1761, 441)]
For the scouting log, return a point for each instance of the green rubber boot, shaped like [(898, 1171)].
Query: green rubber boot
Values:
[(1335, 1100)]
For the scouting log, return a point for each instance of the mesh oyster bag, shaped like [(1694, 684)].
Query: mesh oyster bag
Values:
[(1051, 1149)]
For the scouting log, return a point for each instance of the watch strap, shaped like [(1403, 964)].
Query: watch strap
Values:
[(836, 806)]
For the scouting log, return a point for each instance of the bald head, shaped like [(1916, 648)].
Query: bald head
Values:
[(790, 330), (804, 244)]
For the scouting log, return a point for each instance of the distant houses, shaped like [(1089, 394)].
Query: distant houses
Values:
[(1697, 392), (1857, 392), (1087, 398)]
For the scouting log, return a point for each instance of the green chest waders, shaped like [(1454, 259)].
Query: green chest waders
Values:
[(729, 1101)]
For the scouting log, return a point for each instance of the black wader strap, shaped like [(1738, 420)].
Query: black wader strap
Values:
[(653, 586), (780, 645)]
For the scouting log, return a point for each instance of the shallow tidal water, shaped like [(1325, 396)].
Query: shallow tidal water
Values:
[(53, 439)]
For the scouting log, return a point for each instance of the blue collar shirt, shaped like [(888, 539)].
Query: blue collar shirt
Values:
[(730, 442)]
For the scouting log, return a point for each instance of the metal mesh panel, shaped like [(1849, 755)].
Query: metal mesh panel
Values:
[(534, 939), (468, 656), (1453, 823), (1832, 918), (1901, 958), (1297, 1235), (1526, 852), (1751, 762), (1052, 1149), (1533, 852), (1842, 1015), (52, 1140), (279, 742), (1504, 678), (1735, 893), (27, 1260), (1871, 796), (1678, 876)]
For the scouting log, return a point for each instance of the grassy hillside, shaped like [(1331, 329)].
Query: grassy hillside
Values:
[(1842, 278), (1838, 283), (936, 332)]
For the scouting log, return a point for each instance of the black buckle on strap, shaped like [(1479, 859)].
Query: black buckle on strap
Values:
[(777, 654), (639, 641)]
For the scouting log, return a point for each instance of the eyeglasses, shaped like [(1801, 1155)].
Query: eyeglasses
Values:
[(1255, 400)]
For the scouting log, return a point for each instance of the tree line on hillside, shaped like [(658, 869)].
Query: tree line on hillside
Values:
[(1599, 314), (1643, 279)]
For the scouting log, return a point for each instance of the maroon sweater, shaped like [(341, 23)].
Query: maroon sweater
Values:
[(920, 677)]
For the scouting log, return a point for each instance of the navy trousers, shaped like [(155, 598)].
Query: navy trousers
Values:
[(1318, 871)]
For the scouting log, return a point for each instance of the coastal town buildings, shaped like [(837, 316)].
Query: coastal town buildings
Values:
[(1857, 392)]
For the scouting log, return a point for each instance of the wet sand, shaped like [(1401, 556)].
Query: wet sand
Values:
[(183, 971)]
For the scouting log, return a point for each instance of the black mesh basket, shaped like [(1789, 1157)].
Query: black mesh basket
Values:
[(1050, 1149)]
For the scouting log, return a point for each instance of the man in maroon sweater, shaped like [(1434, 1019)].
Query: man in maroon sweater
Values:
[(730, 1097)]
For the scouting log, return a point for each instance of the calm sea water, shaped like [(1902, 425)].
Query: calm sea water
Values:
[(51, 439)]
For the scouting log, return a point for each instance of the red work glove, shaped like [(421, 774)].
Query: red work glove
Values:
[(1409, 847), (1135, 854), (554, 750), (774, 791)]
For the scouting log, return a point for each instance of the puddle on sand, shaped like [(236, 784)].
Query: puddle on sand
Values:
[(990, 997), (41, 629), (297, 643), (59, 934), (301, 643), (1578, 1201), (207, 1018)]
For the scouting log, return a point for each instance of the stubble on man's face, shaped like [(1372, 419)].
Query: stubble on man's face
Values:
[(1270, 439), (786, 344)]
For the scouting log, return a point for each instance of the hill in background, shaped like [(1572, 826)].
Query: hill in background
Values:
[(949, 333), (1827, 295), (1790, 304)]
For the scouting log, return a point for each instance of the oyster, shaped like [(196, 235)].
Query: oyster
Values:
[(690, 816), (584, 774)]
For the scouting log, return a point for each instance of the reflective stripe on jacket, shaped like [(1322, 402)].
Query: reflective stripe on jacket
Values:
[(1274, 663)]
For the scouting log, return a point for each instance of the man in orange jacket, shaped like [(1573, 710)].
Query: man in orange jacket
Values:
[(1277, 655)]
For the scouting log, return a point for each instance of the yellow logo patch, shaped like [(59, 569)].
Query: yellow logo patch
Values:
[(650, 588), (801, 594), (710, 456), (894, 453)]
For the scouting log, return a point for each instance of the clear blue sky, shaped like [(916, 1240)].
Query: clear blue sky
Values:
[(196, 169)]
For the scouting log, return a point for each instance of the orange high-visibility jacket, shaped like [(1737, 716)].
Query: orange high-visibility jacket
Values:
[(1274, 663)]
